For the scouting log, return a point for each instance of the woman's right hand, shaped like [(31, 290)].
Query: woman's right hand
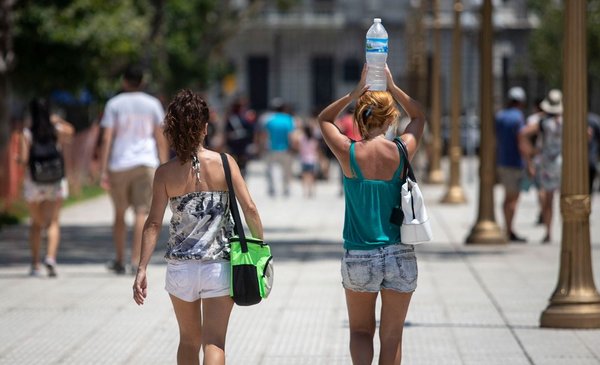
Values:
[(389, 78), (140, 286), (362, 86)]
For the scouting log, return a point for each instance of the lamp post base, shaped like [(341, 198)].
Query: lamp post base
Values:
[(435, 177), (572, 315), (486, 232), (454, 195)]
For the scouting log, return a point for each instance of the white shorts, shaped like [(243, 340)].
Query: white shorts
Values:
[(190, 280)]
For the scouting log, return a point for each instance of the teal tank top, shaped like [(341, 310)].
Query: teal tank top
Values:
[(369, 205)]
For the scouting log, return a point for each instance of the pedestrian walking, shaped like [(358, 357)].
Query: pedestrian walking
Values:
[(593, 148), (45, 186), (548, 172), (375, 261), (276, 138), (509, 122), (239, 132), (347, 126), (309, 156), (198, 271), (133, 145), (534, 118)]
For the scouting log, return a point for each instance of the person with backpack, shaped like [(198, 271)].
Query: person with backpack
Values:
[(44, 186), (548, 171)]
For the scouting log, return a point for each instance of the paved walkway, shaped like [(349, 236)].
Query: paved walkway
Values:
[(474, 304)]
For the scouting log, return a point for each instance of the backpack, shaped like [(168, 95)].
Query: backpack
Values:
[(46, 162)]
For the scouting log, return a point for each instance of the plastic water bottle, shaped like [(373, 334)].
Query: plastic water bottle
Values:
[(376, 50)]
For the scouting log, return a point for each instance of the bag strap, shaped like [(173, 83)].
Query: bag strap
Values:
[(233, 207), (407, 166)]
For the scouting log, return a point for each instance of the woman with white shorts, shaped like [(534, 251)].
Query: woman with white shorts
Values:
[(44, 200), (193, 185)]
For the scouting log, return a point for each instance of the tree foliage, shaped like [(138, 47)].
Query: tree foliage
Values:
[(72, 44), (546, 42), (75, 44)]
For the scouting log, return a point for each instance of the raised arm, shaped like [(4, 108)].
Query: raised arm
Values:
[(334, 138), (414, 130)]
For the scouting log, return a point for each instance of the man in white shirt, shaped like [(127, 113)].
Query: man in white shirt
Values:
[(133, 146)]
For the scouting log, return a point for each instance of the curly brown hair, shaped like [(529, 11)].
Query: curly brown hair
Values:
[(187, 116), (373, 110)]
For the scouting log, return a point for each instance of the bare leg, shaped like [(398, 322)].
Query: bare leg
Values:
[(35, 234), (136, 246), (394, 306), (119, 234), (214, 328), (311, 184), (190, 330), (306, 183), (509, 207), (361, 315), (547, 209), (54, 231), (269, 174)]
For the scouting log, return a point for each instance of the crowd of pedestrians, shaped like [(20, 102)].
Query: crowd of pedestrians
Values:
[(149, 159)]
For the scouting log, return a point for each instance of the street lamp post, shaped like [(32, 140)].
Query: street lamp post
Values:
[(575, 302), (455, 193), (486, 230), (436, 175)]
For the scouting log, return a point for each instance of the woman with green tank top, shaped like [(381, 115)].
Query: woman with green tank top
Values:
[(375, 260)]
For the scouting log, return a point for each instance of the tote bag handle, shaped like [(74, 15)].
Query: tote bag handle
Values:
[(238, 227), (407, 166)]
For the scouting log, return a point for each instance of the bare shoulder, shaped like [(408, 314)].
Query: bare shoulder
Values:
[(169, 171)]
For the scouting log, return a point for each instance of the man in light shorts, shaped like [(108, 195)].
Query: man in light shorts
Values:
[(509, 122), (133, 145)]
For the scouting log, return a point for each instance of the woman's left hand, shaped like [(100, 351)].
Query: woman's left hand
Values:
[(362, 86), (140, 286)]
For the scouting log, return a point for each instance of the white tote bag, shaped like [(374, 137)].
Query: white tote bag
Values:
[(415, 226)]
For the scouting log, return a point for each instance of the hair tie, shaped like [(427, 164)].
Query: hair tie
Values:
[(368, 111)]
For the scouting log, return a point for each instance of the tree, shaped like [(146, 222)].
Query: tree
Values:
[(6, 64), (187, 40), (75, 44), (546, 41)]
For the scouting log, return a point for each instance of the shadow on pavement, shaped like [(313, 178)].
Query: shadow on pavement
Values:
[(93, 245)]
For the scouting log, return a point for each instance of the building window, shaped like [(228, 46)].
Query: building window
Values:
[(352, 70)]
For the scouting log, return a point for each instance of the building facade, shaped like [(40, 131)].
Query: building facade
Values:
[(313, 52)]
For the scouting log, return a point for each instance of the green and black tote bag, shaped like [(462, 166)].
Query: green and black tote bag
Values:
[(251, 260)]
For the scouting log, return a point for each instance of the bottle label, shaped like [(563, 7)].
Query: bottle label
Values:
[(376, 45)]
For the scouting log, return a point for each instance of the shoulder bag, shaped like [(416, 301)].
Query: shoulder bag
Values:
[(251, 260), (411, 212)]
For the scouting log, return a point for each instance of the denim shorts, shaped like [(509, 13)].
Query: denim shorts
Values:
[(391, 267)]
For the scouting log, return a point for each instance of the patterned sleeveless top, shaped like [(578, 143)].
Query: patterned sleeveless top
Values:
[(200, 227)]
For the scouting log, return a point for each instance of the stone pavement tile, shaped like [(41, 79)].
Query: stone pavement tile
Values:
[(591, 339), (50, 343), (488, 345), (425, 345), (159, 345), (550, 346)]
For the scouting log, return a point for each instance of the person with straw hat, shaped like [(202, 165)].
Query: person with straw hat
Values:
[(548, 171)]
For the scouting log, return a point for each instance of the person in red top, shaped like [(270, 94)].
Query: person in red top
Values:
[(347, 126)]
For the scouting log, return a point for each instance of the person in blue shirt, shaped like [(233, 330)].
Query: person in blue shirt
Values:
[(510, 168), (277, 134), (375, 260)]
